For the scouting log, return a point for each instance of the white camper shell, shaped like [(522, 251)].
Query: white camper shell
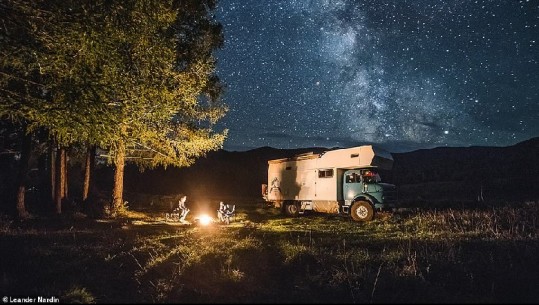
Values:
[(316, 180)]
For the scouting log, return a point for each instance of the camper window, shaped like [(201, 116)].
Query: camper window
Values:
[(325, 173)]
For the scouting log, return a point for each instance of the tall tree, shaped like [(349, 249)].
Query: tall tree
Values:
[(26, 90), (22, 92), (136, 78), (89, 165), (143, 72)]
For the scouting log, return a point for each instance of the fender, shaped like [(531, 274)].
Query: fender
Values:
[(366, 197)]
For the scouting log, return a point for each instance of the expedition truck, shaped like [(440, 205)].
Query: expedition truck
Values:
[(341, 181)]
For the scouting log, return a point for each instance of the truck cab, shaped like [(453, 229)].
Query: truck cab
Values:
[(364, 185)]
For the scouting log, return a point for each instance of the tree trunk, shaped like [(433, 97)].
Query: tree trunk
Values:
[(59, 179), (52, 160), (117, 192), (26, 149), (65, 185), (88, 172)]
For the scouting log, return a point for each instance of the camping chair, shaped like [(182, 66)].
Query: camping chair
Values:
[(173, 216), (229, 213), (177, 215)]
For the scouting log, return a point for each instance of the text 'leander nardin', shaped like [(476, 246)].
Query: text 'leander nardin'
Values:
[(38, 299)]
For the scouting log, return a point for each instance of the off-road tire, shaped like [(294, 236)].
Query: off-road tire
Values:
[(362, 211), (291, 209)]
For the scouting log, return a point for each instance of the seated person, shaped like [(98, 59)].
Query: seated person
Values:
[(229, 212), (182, 209), (225, 212), (229, 209), (221, 212)]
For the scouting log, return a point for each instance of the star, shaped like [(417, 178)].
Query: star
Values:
[(386, 72)]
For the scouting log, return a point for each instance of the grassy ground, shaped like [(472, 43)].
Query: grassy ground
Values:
[(486, 255)]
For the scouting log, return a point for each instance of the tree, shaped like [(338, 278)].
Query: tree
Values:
[(143, 72), (26, 91), (21, 91), (89, 165), (136, 78)]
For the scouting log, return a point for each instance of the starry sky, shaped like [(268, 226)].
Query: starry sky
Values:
[(401, 74)]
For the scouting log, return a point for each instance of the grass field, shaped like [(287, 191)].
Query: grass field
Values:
[(482, 255)]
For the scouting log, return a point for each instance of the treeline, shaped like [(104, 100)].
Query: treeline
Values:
[(135, 79), (430, 177)]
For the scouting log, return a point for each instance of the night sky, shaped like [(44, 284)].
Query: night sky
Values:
[(403, 74)]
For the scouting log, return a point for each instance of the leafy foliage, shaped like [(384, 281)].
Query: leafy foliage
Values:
[(108, 71), (135, 78), (22, 91), (137, 71)]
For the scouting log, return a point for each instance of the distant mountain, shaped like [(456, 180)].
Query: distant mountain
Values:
[(461, 174)]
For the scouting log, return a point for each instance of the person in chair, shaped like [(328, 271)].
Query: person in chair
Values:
[(221, 212), (182, 208)]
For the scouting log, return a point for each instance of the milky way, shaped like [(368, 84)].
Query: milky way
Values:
[(401, 74)]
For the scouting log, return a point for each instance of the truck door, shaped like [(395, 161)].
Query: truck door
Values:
[(352, 184)]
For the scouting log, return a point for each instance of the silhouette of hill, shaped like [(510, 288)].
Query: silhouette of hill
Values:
[(462, 173), (444, 174)]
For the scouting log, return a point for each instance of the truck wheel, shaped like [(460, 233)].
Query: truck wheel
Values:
[(291, 209), (362, 211)]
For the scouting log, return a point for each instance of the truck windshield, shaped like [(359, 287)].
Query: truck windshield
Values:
[(370, 176), (353, 178)]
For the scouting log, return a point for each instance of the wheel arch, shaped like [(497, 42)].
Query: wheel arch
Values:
[(364, 197)]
